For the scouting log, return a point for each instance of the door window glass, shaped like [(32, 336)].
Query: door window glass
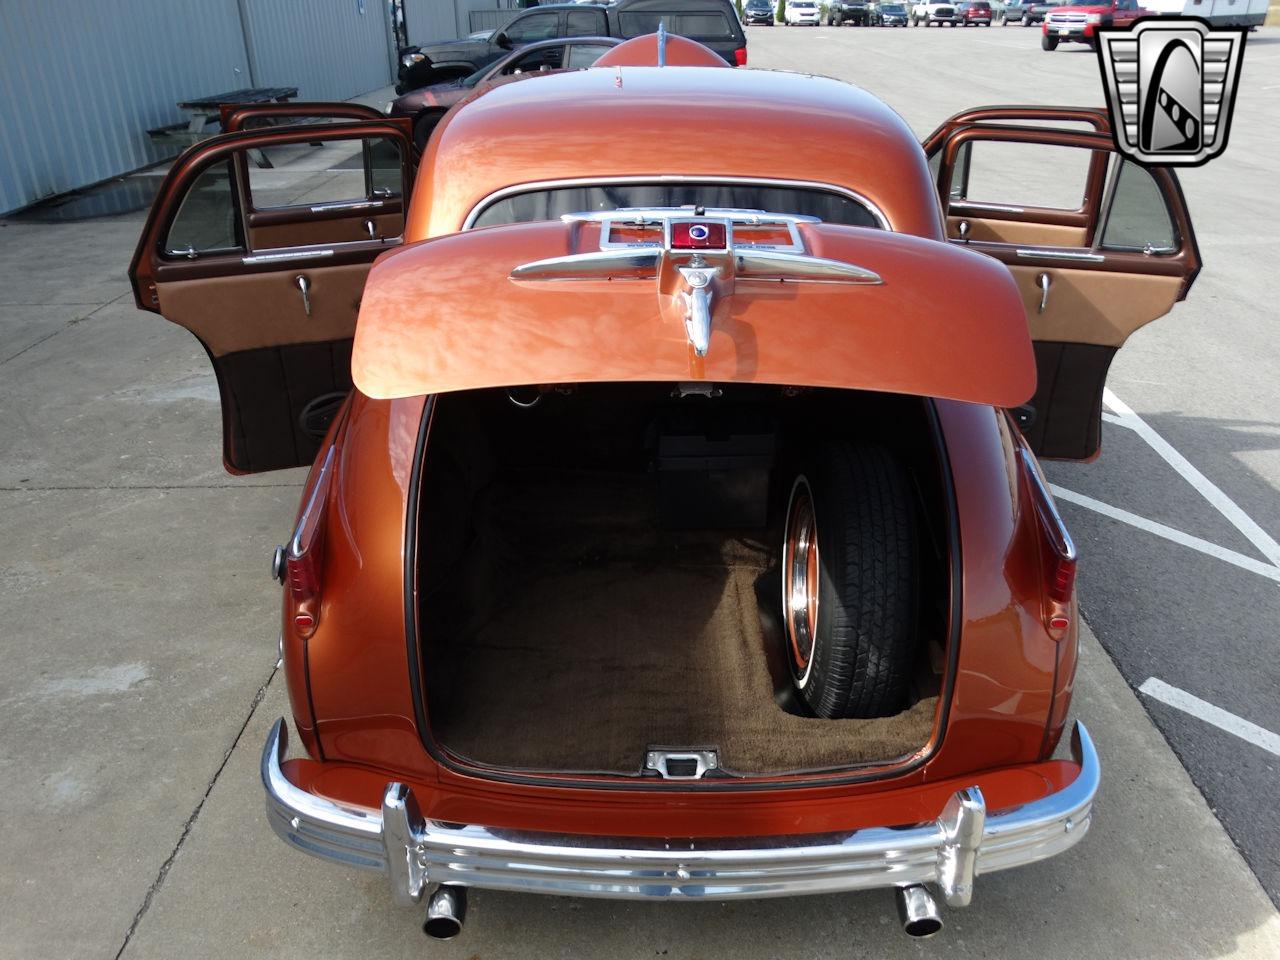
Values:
[(538, 26), (1138, 217), (324, 172), (207, 221), (544, 58), (1014, 173), (585, 54), (586, 23)]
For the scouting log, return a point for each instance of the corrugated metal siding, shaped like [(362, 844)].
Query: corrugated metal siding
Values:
[(328, 49), (429, 21), (81, 82)]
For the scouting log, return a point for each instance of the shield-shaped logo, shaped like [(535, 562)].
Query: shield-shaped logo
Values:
[(1170, 83)]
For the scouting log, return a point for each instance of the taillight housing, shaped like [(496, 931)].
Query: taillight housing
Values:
[(1057, 551), (304, 557), (740, 56)]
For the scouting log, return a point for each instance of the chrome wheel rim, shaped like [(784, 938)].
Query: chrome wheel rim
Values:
[(800, 579)]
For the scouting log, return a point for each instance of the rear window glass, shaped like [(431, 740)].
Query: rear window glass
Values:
[(554, 203), (695, 26)]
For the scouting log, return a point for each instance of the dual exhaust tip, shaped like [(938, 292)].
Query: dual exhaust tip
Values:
[(447, 910), (918, 912)]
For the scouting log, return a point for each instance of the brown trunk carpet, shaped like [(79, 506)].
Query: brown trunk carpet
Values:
[(594, 648)]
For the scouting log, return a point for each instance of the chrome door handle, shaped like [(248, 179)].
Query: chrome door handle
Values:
[(371, 230), (1043, 281), (304, 285)]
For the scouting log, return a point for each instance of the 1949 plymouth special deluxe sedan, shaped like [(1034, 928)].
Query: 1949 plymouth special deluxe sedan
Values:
[(675, 527)]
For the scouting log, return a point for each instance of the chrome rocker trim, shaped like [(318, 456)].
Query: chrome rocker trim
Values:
[(417, 854)]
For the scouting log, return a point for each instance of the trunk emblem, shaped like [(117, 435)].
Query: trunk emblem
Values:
[(697, 255)]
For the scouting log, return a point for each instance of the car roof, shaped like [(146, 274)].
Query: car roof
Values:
[(651, 123)]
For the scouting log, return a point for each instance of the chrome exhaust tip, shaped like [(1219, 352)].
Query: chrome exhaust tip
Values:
[(446, 910), (918, 912)]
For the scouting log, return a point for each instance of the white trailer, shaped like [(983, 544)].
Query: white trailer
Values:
[(1219, 13)]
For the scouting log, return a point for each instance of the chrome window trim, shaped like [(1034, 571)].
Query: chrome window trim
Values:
[(535, 186)]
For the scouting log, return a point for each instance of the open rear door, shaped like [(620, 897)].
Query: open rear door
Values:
[(1098, 245), (266, 266)]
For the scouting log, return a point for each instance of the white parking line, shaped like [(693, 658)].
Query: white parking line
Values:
[(1125, 417), (1201, 709), (1169, 533)]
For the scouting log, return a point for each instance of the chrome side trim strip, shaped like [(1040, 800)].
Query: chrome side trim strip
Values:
[(536, 185), (965, 841), (290, 254), (1038, 254)]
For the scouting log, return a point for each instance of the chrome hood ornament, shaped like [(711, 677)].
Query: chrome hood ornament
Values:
[(698, 256)]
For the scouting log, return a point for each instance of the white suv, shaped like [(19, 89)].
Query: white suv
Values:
[(802, 13), (931, 13)]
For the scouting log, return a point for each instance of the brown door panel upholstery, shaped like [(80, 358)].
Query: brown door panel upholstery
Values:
[(232, 314), (1093, 306), (989, 230), (271, 236)]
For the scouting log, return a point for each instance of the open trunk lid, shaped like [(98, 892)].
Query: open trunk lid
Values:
[(721, 296)]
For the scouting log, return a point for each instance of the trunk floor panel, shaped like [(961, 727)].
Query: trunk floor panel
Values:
[(593, 651)]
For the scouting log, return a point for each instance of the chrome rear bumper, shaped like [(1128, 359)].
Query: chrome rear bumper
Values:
[(417, 853)]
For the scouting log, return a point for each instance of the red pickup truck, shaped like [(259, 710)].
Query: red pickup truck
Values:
[(1078, 24)]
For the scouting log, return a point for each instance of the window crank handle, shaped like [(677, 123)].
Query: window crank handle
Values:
[(1043, 281), (304, 285)]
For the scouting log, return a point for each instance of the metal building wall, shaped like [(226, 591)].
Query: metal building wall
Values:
[(328, 49), (81, 82), (432, 20)]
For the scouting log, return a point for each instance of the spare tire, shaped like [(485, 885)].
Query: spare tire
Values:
[(849, 582)]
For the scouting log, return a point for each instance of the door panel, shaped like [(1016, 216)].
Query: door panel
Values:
[(1088, 277), (268, 234), (1015, 231), (273, 294), (227, 313)]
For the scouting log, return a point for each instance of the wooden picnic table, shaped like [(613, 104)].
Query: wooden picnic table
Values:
[(202, 110)]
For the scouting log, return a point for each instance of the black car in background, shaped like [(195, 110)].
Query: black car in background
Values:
[(893, 15), (1014, 11), (758, 11), (427, 105), (711, 22)]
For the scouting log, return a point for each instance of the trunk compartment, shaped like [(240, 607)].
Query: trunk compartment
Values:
[(599, 577)]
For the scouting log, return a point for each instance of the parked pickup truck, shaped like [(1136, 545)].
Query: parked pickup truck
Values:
[(713, 23), (841, 12), (930, 13), (1079, 23)]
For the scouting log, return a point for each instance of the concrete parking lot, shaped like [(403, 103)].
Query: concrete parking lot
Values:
[(138, 623)]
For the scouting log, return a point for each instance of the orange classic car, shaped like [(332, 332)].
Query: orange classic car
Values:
[(674, 527)]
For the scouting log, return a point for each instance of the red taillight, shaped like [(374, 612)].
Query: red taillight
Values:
[(304, 557), (740, 56), (1057, 550)]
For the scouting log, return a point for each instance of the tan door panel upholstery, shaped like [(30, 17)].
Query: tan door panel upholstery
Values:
[(982, 230), (230, 314), (1093, 306), (387, 226)]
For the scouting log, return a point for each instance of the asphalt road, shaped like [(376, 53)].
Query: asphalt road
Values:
[(137, 622), (1204, 378)]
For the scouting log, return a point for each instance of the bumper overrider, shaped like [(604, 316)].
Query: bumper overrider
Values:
[(417, 854)]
